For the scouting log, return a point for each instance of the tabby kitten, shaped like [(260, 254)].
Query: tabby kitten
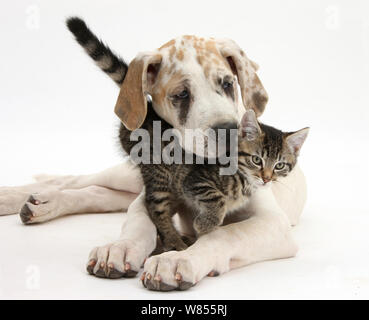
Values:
[(264, 154)]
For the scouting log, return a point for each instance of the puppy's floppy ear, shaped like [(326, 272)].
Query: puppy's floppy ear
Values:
[(131, 106), (253, 93)]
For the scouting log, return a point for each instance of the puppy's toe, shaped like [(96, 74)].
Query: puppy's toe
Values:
[(40, 207), (26, 214), (121, 259), (100, 273), (90, 266), (113, 273)]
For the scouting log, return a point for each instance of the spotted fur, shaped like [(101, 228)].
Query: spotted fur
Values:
[(193, 83)]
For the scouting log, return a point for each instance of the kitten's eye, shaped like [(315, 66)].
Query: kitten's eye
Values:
[(227, 85), (279, 166), (183, 95), (256, 160)]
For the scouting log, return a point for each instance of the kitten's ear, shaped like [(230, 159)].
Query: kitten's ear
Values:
[(295, 140), (249, 125)]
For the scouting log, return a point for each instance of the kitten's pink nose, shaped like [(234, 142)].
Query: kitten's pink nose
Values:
[(266, 179)]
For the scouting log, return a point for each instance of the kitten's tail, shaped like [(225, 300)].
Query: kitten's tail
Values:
[(106, 60)]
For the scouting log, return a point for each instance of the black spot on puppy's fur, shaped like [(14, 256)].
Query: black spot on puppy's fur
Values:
[(183, 106), (230, 92)]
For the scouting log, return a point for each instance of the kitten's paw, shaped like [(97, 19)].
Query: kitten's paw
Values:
[(188, 240), (169, 271), (116, 260), (174, 245), (203, 224)]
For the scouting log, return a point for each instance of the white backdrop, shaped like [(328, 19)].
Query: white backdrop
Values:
[(57, 116)]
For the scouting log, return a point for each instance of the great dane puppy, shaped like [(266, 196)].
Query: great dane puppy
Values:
[(260, 231)]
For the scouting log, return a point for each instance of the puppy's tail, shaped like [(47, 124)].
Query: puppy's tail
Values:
[(106, 60)]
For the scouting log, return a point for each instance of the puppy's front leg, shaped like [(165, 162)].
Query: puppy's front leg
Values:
[(124, 257), (264, 236)]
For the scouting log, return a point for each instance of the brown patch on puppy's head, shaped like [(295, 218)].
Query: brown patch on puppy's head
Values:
[(192, 82)]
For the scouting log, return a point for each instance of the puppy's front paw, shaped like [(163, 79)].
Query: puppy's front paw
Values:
[(116, 260), (168, 271)]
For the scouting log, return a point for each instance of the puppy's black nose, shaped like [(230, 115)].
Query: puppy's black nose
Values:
[(226, 134)]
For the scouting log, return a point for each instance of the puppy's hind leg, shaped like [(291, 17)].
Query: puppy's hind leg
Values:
[(93, 199), (44, 177), (123, 177), (13, 198), (11, 201)]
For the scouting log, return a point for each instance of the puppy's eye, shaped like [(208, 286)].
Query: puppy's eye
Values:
[(256, 160), (183, 95), (280, 166), (227, 85)]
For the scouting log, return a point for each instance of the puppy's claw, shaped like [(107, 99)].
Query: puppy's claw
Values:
[(90, 266)]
